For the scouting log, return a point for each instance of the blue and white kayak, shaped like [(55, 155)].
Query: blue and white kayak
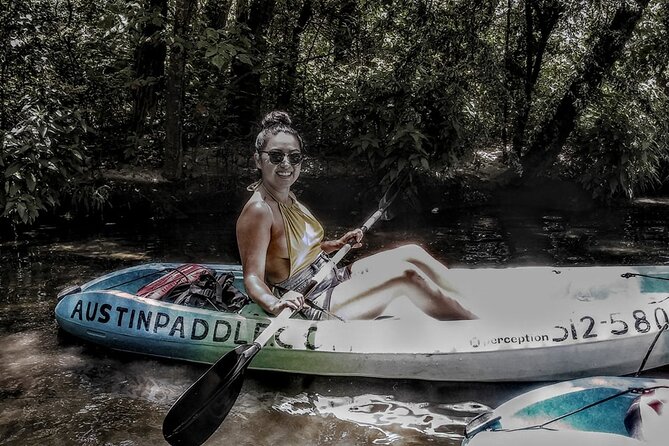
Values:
[(536, 324), (588, 411)]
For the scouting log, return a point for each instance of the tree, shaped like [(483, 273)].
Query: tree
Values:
[(388, 83), (246, 89), (149, 66), (620, 146), (552, 134), (540, 19), (176, 87), (290, 56), (216, 13)]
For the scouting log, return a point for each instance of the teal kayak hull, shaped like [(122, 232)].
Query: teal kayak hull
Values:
[(596, 410)]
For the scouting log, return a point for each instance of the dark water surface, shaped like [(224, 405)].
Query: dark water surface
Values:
[(57, 390)]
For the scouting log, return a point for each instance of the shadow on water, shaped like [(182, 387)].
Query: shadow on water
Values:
[(57, 390)]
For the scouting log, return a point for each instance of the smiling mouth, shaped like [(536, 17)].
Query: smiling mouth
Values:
[(284, 174)]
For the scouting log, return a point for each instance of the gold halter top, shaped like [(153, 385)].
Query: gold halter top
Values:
[(303, 234)]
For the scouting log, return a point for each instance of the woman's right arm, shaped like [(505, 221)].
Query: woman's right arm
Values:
[(254, 233)]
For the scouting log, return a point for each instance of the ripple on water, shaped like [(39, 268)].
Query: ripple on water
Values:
[(391, 417)]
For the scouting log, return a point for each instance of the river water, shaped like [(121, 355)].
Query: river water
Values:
[(57, 390)]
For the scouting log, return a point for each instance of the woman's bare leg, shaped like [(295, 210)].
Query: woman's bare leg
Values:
[(368, 292), (410, 253)]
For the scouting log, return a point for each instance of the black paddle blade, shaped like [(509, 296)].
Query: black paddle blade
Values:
[(196, 415)]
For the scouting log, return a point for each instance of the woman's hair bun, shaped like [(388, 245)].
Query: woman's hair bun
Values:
[(273, 123), (275, 118)]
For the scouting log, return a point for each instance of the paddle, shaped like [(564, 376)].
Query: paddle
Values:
[(199, 411)]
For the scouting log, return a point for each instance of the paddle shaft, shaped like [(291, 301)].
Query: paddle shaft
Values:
[(268, 332)]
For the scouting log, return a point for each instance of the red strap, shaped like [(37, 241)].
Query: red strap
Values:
[(161, 287)]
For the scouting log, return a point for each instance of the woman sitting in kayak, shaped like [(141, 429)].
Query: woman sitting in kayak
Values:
[(281, 247)]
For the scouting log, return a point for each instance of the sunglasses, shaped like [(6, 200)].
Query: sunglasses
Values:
[(277, 157)]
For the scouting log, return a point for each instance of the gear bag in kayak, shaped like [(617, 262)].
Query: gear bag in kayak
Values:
[(197, 286)]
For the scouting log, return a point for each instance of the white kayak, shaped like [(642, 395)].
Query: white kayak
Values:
[(536, 324)]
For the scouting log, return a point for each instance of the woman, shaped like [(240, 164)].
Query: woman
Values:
[(281, 246)]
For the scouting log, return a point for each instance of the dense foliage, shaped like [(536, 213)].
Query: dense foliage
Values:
[(574, 88)]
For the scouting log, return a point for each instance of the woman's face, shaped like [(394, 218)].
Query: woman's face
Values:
[(278, 161)]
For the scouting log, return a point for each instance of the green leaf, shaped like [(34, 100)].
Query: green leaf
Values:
[(388, 161), (401, 164), (11, 170), (211, 33), (31, 181), (245, 59), (218, 61), (39, 204), (21, 209)]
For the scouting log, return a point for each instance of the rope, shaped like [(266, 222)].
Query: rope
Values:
[(628, 275), (650, 349)]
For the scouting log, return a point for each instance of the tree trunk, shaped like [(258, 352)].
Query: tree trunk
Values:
[(149, 67), (345, 28), (176, 82), (9, 26), (289, 75), (542, 18), (246, 88), (552, 135), (507, 76)]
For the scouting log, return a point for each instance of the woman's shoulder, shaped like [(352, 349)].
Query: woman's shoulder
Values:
[(256, 208)]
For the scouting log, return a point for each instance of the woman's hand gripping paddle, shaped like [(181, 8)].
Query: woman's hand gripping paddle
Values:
[(199, 411)]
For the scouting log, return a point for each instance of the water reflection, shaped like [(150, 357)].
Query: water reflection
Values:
[(393, 419), (56, 390)]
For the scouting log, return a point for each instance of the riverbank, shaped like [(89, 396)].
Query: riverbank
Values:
[(214, 187), (329, 185)]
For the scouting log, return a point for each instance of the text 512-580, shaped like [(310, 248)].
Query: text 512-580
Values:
[(638, 321)]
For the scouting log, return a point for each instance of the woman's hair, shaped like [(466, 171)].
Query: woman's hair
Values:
[(274, 123)]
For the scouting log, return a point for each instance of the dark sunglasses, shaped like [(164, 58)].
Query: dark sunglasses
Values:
[(277, 157)]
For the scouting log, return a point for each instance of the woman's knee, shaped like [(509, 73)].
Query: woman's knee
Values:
[(412, 275), (411, 251), (398, 272)]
